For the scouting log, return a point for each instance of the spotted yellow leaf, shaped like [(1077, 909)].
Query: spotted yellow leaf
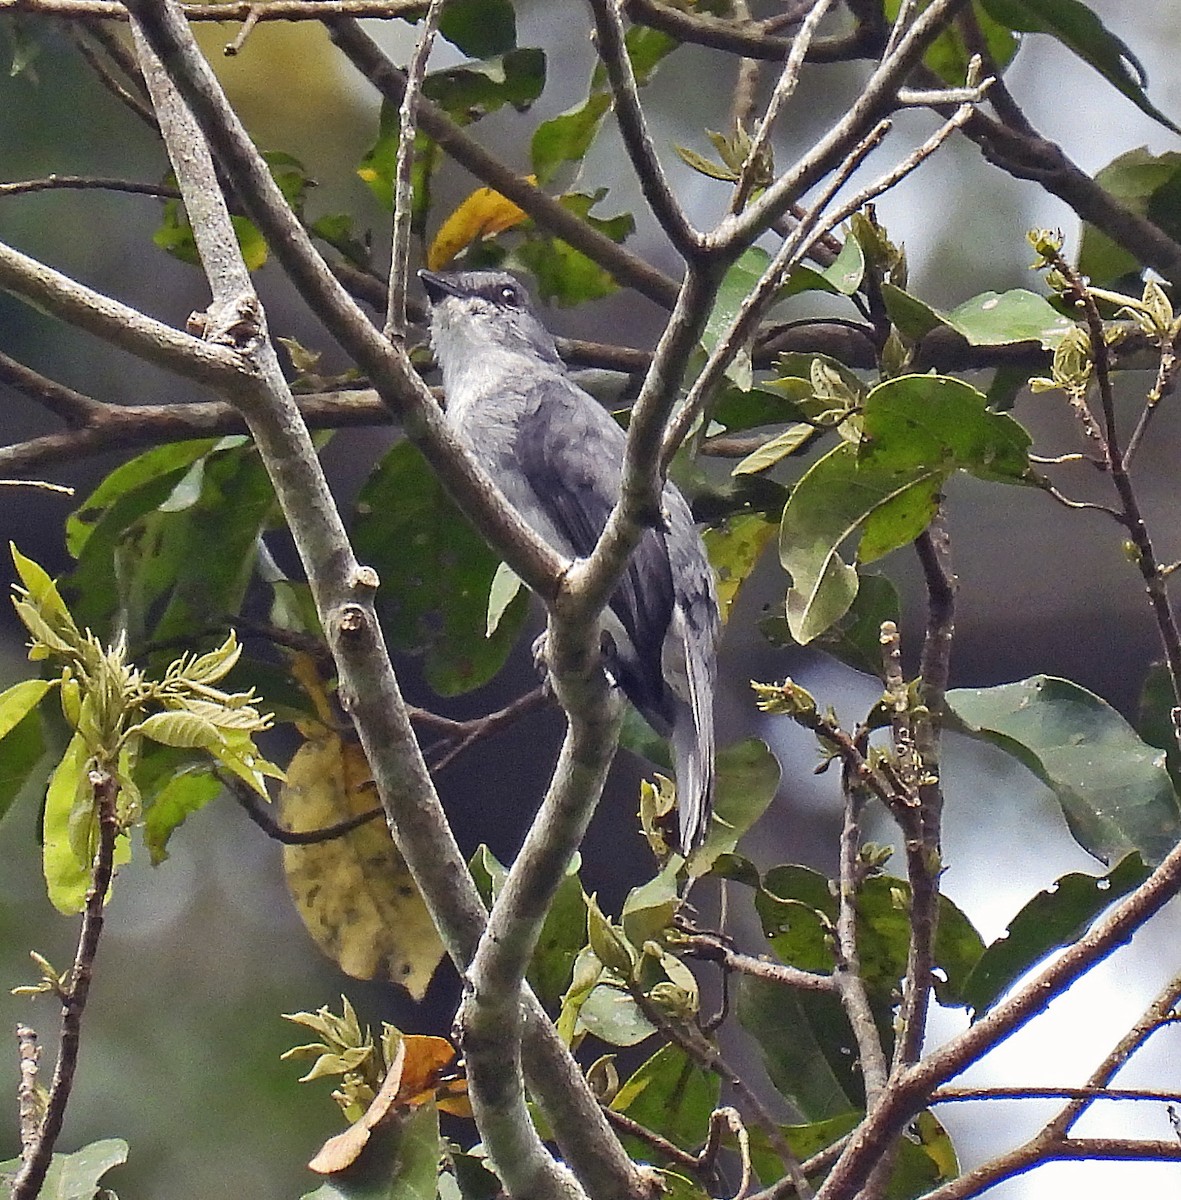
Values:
[(354, 893)]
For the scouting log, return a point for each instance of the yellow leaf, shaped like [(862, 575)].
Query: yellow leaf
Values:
[(354, 893), (734, 549), (484, 213)]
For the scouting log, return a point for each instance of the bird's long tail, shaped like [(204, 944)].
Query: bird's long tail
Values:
[(693, 753)]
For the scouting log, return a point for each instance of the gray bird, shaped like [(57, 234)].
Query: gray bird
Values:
[(557, 456)]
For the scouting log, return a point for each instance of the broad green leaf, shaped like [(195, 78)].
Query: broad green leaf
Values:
[(473, 90), (804, 1140), (20, 752), (738, 283), (990, 319), (66, 874), (935, 422), (612, 1016), (1154, 718), (19, 700), (183, 795), (171, 567), (672, 1096), (566, 276), (797, 912), (747, 778), (435, 572), (828, 506), (949, 57), (133, 489), (883, 926), (807, 1046), (1114, 790), (1149, 185), (842, 277), (480, 28), (1081, 31), (648, 911), (568, 136), (562, 936), (1054, 918), (856, 638), (734, 550), (76, 1176)]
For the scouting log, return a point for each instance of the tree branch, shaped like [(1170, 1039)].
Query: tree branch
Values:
[(343, 590), (37, 1153), (634, 128), (624, 266)]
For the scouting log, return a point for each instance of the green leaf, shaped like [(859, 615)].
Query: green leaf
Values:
[(42, 591), (76, 1176), (480, 28), (1114, 790), (922, 422), (19, 700), (562, 936), (807, 1046), (1154, 718), (842, 277), (829, 505), (183, 795), (884, 929), (436, 573), (67, 875), (949, 57), (856, 638), (172, 565), (566, 276), (670, 1095), (1054, 918), (20, 752), (133, 489), (473, 90), (1082, 32), (792, 440), (735, 548), (747, 778), (1148, 185), (613, 1017), (797, 911), (990, 319), (737, 284), (568, 136)]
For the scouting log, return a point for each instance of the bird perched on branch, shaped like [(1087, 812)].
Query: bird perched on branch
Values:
[(557, 455)]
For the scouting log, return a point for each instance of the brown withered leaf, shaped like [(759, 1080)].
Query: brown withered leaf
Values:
[(354, 893), (422, 1070)]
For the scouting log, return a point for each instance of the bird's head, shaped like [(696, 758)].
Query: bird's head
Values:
[(478, 314)]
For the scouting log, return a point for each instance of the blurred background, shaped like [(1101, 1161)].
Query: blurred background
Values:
[(202, 955)]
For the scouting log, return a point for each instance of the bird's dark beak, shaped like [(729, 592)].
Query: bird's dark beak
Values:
[(437, 286)]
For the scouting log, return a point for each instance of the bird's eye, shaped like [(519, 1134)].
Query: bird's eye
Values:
[(508, 294)]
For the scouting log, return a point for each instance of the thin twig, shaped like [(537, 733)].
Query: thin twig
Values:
[(849, 979), (395, 317), (785, 87), (22, 187), (963, 1095), (30, 1109), (29, 1179), (713, 948), (633, 126)]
